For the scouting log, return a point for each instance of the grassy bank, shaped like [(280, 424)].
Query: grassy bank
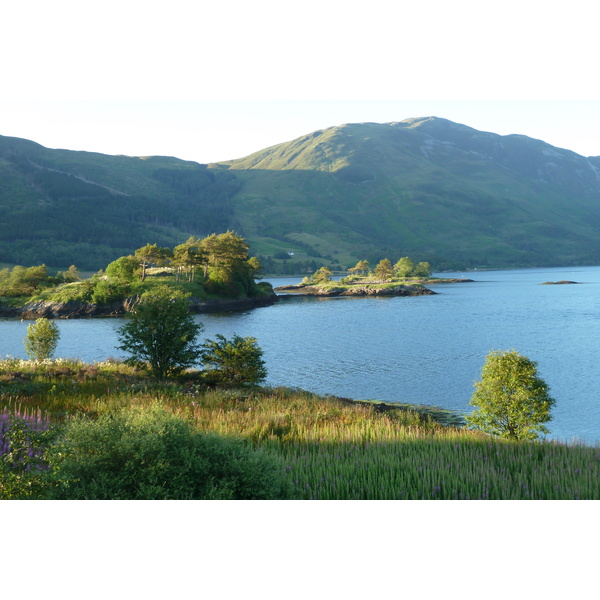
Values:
[(327, 448)]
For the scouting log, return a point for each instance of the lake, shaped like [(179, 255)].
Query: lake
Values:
[(423, 350)]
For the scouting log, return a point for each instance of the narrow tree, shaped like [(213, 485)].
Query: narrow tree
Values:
[(511, 400), (160, 334), (383, 271), (41, 339), (235, 362)]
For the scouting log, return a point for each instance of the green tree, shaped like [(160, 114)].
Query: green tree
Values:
[(41, 339), (151, 254), (322, 275), (236, 361), (362, 266), (187, 257), (160, 334), (423, 269), (512, 400), (383, 270), (123, 268), (404, 267)]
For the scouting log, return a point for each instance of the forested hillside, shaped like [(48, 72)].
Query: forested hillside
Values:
[(454, 196), (61, 207)]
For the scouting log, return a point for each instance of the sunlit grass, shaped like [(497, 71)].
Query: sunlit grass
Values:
[(328, 448)]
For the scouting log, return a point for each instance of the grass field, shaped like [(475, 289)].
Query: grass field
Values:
[(328, 448)]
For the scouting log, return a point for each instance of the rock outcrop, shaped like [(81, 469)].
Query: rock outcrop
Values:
[(79, 310), (355, 290)]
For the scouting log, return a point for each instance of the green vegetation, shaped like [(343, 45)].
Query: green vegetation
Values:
[(160, 333), (458, 197), (512, 400), (322, 448), (215, 267), (149, 453), (42, 339), (235, 362)]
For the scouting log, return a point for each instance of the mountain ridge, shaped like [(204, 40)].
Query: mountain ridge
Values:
[(425, 186)]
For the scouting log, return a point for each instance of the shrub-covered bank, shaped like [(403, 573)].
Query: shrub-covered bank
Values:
[(316, 448)]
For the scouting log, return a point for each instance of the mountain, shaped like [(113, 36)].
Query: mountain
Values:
[(427, 188), (63, 207)]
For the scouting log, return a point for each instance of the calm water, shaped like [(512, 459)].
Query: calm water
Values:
[(426, 350)]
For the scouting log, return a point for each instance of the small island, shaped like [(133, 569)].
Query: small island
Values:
[(215, 273), (403, 279), (559, 283)]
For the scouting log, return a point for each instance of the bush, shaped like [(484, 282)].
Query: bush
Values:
[(151, 454), (235, 362)]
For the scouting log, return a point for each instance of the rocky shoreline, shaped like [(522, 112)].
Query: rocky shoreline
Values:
[(357, 291), (82, 310)]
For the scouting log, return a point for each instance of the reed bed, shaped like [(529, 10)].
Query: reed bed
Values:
[(327, 448)]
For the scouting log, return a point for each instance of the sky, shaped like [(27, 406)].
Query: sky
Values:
[(215, 81), (211, 81)]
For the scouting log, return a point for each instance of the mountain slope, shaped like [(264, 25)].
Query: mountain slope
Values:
[(428, 188), (63, 207)]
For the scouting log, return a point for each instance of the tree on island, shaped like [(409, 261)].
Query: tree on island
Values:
[(423, 269), (151, 254), (160, 334), (512, 400), (362, 267), (384, 271), (322, 275), (404, 267), (188, 257)]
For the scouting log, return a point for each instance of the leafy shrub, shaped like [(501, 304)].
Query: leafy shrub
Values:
[(151, 454), (234, 362), (109, 291)]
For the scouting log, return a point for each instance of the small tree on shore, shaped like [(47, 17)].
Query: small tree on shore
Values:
[(41, 339), (160, 334), (236, 362), (512, 401)]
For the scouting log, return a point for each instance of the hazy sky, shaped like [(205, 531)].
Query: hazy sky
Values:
[(214, 81)]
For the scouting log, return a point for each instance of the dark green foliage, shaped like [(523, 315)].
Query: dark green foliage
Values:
[(233, 362), (21, 281), (160, 334), (512, 400), (151, 454), (450, 194), (123, 268)]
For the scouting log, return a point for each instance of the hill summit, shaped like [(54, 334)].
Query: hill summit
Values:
[(425, 187)]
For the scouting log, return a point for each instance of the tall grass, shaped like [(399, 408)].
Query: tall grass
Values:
[(328, 448)]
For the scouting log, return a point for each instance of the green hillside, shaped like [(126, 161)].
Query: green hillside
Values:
[(63, 207), (428, 188)]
